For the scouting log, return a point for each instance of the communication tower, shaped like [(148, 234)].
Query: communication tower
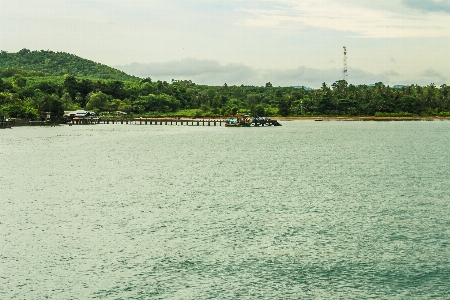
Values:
[(344, 70)]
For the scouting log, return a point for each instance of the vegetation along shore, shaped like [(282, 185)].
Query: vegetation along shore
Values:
[(38, 84)]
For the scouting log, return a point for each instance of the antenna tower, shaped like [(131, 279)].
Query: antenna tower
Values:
[(344, 70)]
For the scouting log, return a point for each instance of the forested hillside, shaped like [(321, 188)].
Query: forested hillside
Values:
[(58, 64), (27, 91)]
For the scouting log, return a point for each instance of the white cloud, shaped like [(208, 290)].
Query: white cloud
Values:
[(211, 72), (429, 5), (197, 70), (348, 17), (431, 74)]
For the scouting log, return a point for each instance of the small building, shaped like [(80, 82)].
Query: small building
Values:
[(80, 117)]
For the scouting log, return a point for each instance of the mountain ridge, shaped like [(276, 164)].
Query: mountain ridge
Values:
[(48, 62)]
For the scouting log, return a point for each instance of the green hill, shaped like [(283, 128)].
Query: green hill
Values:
[(57, 64)]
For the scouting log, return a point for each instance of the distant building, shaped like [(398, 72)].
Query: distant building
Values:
[(78, 114), (301, 87)]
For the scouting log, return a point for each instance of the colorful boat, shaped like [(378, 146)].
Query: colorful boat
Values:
[(240, 121)]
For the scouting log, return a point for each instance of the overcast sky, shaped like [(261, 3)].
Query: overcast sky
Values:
[(251, 42)]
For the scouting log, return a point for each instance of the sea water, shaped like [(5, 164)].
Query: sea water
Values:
[(309, 210)]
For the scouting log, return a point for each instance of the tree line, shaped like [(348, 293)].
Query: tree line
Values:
[(25, 94)]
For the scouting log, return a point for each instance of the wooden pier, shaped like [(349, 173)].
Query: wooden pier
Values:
[(42, 123), (25, 122), (164, 121), (84, 121), (265, 123), (5, 124), (135, 121)]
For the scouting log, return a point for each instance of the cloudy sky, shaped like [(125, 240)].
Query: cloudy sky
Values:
[(286, 42)]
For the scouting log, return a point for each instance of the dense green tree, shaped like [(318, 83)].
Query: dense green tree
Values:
[(19, 110), (70, 85), (98, 101), (285, 105), (161, 103), (67, 102), (5, 86), (53, 105), (19, 81)]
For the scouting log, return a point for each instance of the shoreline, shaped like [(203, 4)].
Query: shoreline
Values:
[(10, 124), (302, 118), (370, 118)]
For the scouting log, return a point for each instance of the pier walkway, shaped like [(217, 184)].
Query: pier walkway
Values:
[(5, 124), (164, 121)]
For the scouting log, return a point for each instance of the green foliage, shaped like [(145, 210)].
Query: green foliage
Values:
[(29, 63), (19, 81), (53, 105), (99, 101), (16, 110), (10, 72), (159, 103)]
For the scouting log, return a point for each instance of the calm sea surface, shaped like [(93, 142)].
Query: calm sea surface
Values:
[(309, 210)]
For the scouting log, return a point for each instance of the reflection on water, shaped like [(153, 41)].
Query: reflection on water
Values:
[(308, 210)]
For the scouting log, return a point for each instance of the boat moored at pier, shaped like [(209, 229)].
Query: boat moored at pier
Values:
[(246, 121), (239, 121)]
